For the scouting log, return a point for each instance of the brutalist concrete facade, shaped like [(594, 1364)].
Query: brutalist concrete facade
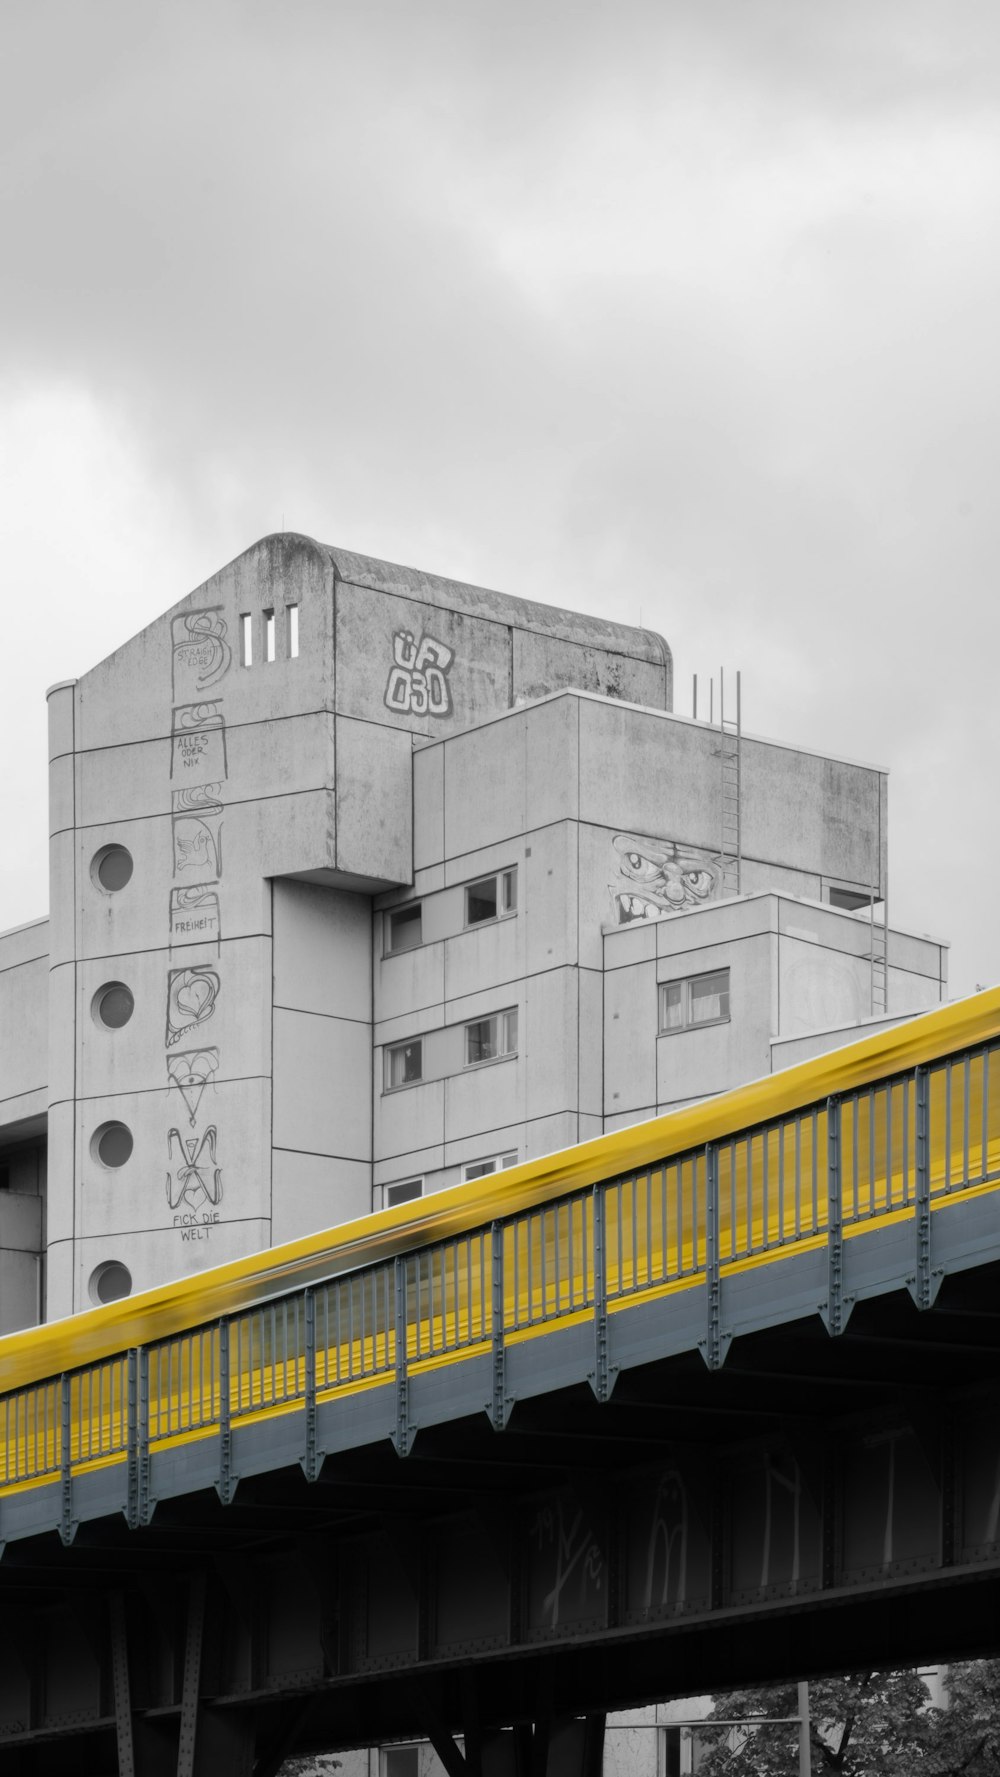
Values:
[(362, 879)]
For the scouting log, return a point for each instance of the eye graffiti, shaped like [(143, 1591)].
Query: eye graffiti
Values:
[(191, 1070), (418, 684), (201, 654), (191, 997), (656, 877)]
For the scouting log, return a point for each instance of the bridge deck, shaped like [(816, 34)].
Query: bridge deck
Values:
[(862, 1172)]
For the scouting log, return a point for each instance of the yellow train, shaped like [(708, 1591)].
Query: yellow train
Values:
[(772, 1191)]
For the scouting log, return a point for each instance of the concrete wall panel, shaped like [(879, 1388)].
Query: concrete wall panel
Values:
[(630, 1025), (192, 653), (322, 950), (408, 985), (246, 761), (591, 1066), (549, 910), (648, 774), (552, 760), (312, 1192), (485, 959), (416, 1163), (379, 637), (127, 1200), (409, 1120), (20, 1302), (484, 787), (694, 1063), (182, 1001), (484, 1098), (428, 806), (819, 988), (162, 1256), (545, 663), (24, 1022), (374, 802), (322, 1085)]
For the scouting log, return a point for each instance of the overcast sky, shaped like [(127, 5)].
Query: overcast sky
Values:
[(684, 311)]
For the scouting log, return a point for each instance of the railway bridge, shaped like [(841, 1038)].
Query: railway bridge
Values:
[(712, 1399)]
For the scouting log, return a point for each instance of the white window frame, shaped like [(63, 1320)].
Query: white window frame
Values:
[(490, 1163), (392, 1049), (505, 892), (505, 1044), (413, 1196), (414, 912), (687, 1021)]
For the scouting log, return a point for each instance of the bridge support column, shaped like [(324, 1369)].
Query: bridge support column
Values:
[(547, 1747)]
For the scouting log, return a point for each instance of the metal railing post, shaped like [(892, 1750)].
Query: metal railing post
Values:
[(834, 1218), (712, 1344), (310, 1464), (601, 1378), (500, 1405)]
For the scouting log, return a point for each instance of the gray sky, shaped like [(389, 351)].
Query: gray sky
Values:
[(685, 310)]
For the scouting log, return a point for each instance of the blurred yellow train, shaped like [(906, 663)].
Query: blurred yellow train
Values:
[(772, 1170)]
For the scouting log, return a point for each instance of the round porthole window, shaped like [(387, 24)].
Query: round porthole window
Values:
[(110, 1282), (111, 868), (111, 1144), (113, 1005)]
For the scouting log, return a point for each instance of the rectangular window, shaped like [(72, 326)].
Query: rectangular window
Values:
[(491, 898), (268, 635), (246, 640), (700, 999), (406, 1192), (403, 1064), (490, 1039), (403, 928), (482, 1168), (292, 631), (401, 1761), (849, 899)]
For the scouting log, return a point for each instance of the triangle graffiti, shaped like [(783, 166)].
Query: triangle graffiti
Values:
[(191, 1071)]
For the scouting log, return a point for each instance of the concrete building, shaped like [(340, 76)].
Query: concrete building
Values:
[(364, 882)]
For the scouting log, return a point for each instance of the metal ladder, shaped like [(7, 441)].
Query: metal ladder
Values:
[(879, 956), (731, 839)]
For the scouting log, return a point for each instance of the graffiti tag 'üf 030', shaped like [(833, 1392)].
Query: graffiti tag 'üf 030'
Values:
[(418, 683)]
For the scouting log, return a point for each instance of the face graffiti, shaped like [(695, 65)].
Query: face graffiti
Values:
[(658, 876)]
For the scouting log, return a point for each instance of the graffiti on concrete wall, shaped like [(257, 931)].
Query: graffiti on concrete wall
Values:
[(191, 999), (194, 915), (656, 877), (194, 1182), (201, 654), (199, 768), (198, 742), (418, 680), (191, 1070), (196, 826)]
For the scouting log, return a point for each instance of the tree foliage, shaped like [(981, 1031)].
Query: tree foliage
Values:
[(869, 1724)]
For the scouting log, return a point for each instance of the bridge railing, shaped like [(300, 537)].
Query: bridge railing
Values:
[(918, 1137)]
